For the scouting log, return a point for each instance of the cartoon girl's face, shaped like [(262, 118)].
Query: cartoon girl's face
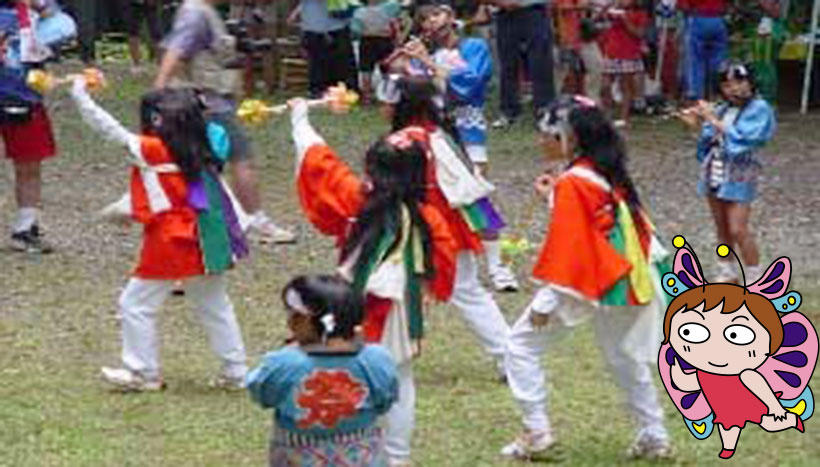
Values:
[(719, 343)]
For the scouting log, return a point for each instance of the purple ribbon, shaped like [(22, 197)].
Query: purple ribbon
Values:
[(197, 196), (239, 246)]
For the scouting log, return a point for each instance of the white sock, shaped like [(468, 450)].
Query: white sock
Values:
[(492, 250), (26, 217)]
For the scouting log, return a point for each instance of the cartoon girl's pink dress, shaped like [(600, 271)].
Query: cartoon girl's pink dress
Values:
[(731, 401)]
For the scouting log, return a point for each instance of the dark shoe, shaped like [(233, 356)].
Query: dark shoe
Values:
[(30, 241)]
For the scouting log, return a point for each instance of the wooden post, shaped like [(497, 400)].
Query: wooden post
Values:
[(804, 102)]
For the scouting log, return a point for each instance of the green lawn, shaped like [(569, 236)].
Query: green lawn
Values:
[(58, 320)]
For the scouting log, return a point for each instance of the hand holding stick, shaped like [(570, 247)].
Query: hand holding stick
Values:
[(43, 81), (338, 99)]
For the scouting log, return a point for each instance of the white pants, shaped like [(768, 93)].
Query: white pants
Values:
[(612, 326), (142, 298), (478, 308), (401, 418)]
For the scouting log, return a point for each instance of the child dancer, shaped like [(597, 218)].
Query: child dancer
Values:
[(464, 69), (622, 55), (460, 196), (732, 134), (598, 261), (191, 233), (328, 389), (393, 241)]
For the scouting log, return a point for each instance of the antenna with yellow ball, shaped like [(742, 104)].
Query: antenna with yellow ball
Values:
[(723, 251), (679, 242)]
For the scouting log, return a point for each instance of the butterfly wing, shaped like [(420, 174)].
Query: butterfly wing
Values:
[(697, 414), (790, 368), (803, 405), (701, 429)]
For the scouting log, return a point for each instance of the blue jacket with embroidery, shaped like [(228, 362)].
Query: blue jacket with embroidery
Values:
[(322, 394)]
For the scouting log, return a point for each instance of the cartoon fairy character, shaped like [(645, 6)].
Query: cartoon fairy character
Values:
[(735, 354)]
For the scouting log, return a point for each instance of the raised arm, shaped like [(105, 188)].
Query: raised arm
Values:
[(101, 121), (330, 193)]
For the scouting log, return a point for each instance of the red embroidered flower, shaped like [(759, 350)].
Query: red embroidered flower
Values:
[(329, 396)]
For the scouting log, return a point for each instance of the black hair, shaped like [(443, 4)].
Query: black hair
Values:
[(398, 177), (417, 105), (598, 140), (323, 294), (176, 117), (735, 69)]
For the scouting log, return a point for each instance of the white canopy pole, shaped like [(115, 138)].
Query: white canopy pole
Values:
[(804, 102)]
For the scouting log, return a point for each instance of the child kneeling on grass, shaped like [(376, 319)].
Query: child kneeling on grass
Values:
[(327, 388)]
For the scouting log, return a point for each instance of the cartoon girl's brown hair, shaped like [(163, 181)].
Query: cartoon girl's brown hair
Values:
[(733, 298)]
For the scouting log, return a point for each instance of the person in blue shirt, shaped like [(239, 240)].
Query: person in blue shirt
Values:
[(25, 127), (731, 135), (464, 67), (327, 388)]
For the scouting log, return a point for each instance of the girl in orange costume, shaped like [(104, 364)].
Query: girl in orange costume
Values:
[(598, 261), (191, 232), (392, 241)]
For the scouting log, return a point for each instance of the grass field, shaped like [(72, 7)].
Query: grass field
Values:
[(58, 320)]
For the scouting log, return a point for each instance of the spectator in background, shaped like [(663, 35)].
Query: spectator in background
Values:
[(135, 12), (581, 59), (523, 25), (623, 61), (85, 13), (25, 127), (766, 40), (377, 26), (327, 41), (196, 53), (706, 43)]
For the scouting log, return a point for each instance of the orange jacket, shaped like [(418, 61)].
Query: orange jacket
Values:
[(170, 245), (577, 255), (331, 196)]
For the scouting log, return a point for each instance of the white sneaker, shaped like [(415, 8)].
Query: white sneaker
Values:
[(650, 447), (529, 445), (268, 232), (126, 380), (504, 280), (227, 383), (619, 123)]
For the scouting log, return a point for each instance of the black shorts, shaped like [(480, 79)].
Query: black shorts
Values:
[(134, 12), (372, 50)]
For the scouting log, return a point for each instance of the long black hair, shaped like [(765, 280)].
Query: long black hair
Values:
[(323, 294), (398, 178), (417, 104), (595, 138), (176, 117)]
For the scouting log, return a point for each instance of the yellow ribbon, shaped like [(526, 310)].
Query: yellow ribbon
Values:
[(639, 276)]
